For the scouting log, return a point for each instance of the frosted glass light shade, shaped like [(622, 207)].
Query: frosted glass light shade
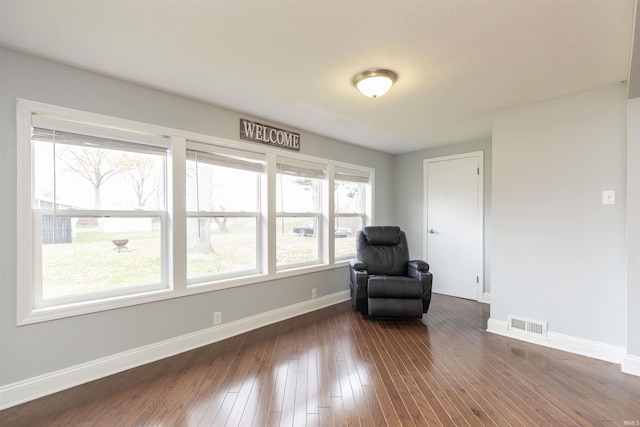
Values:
[(375, 82)]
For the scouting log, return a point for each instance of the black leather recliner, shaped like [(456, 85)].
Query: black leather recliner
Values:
[(384, 281)]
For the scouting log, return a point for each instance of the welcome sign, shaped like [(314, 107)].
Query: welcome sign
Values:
[(265, 134)]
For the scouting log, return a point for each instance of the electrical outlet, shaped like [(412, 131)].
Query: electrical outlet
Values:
[(314, 293), (609, 197), (217, 318)]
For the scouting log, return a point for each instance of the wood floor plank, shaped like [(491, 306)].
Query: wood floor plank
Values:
[(377, 416), (354, 371), (481, 403), (313, 420), (289, 393), (338, 412), (221, 383), (438, 386), (313, 380), (325, 416), (385, 376), (414, 375), (416, 363), (267, 380), (352, 415), (382, 403), (336, 367), (247, 382), (281, 371), (415, 402)]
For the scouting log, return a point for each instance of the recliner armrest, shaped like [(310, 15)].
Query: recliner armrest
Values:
[(419, 270), (358, 265), (359, 277), (418, 265)]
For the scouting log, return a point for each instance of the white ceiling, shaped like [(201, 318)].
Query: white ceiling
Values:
[(291, 62)]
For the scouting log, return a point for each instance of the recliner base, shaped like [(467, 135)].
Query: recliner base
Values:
[(395, 307)]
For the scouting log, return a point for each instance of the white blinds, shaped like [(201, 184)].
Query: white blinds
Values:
[(225, 160), (302, 169), (77, 132), (351, 175), (88, 141)]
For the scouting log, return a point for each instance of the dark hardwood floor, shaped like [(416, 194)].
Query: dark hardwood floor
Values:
[(335, 367)]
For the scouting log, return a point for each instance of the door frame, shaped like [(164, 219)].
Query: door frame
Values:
[(480, 296)]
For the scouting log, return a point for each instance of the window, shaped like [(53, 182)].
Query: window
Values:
[(99, 213), (299, 212), (350, 194), (223, 212), (113, 212)]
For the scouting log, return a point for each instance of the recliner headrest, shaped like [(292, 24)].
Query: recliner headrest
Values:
[(387, 235)]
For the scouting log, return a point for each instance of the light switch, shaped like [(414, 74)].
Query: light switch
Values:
[(609, 197)]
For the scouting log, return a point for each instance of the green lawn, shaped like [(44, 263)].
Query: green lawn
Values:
[(233, 250), (92, 264)]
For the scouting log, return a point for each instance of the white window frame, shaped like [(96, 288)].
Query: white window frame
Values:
[(39, 302), (31, 304), (174, 235), (318, 216), (256, 215), (104, 138), (355, 175)]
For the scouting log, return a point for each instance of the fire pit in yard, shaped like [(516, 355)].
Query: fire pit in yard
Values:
[(121, 244)]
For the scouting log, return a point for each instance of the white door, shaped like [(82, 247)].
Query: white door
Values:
[(454, 221)]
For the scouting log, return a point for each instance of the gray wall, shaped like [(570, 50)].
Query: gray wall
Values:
[(558, 254), (409, 189), (32, 350), (552, 251)]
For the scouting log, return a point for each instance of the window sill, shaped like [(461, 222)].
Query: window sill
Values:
[(81, 308)]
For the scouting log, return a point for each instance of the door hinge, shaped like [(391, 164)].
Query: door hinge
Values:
[(478, 171), (477, 279)]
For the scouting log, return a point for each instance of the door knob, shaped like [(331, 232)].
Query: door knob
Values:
[(432, 231)]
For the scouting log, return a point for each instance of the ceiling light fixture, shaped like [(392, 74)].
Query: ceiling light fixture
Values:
[(374, 82)]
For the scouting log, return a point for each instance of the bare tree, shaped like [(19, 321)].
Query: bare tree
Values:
[(199, 232), (203, 199), (351, 191), (141, 171), (199, 235), (93, 164), (312, 186)]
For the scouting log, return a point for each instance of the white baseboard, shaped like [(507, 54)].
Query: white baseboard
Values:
[(34, 388), (593, 349), (631, 365), (486, 298)]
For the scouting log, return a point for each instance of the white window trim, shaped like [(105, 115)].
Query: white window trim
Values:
[(42, 303), (366, 215), (212, 278), (175, 237), (319, 216), (349, 215), (260, 158)]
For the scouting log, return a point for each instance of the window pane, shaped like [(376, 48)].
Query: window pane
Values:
[(349, 196), (221, 245), (345, 242), (296, 240), (349, 199), (215, 188), (297, 194), (82, 255), (91, 177)]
